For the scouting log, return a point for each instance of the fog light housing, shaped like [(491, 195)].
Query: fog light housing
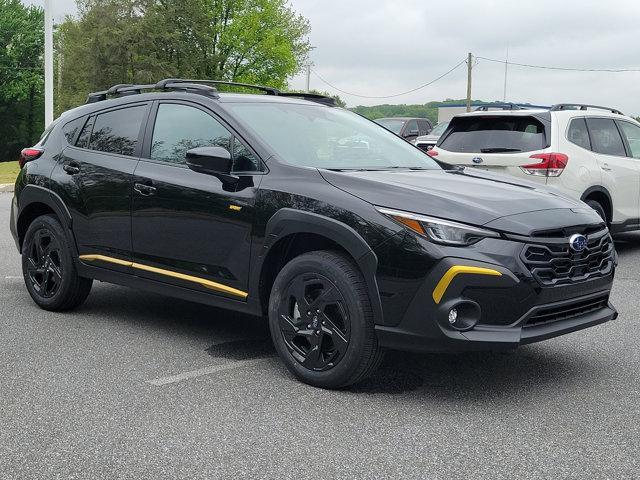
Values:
[(462, 315)]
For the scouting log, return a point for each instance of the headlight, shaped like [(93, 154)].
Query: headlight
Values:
[(440, 231)]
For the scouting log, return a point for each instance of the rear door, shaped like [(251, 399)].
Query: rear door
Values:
[(192, 229), (500, 143), (620, 173), (95, 177)]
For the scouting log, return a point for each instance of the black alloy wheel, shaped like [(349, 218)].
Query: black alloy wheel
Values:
[(314, 322), (44, 267)]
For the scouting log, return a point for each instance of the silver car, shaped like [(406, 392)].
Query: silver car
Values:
[(427, 142)]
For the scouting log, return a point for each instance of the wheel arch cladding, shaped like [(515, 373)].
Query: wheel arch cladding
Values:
[(602, 196), (291, 232), (35, 201)]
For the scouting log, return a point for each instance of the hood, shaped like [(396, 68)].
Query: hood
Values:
[(473, 197)]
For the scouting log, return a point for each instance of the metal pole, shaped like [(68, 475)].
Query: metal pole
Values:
[(308, 77), (506, 68), (48, 64), (469, 67)]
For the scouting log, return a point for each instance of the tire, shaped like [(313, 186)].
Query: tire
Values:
[(49, 269), (321, 320), (599, 209)]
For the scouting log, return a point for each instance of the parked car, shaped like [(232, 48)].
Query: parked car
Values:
[(589, 153), (405, 127), (427, 142), (348, 239)]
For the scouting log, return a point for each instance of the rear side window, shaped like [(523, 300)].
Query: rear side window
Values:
[(72, 128), (578, 133), (118, 131), (412, 128), (605, 137), (632, 132), (495, 134), (85, 134)]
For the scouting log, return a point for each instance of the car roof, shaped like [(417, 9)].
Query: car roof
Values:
[(401, 118)]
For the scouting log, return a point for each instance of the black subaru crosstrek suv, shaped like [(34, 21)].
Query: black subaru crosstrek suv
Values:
[(350, 240)]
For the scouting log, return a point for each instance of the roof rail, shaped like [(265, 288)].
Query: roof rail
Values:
[(501, 106), (582, 106), (205, 87)]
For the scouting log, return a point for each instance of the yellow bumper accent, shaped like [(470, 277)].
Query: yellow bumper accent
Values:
[(448, 277), (218, 287)]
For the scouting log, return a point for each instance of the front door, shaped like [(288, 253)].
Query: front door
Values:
[(96, 178), (192, 229)]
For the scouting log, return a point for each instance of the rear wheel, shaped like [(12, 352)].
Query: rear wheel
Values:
[(321, 320), (48, 267)]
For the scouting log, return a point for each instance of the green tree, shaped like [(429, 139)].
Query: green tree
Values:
[(21, 77), (141, 41)]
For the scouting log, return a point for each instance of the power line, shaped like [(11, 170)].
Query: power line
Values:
[(389, 96), (566, 69)]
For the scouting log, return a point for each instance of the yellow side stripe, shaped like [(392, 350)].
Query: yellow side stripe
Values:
[(218, 287), (448, 277)]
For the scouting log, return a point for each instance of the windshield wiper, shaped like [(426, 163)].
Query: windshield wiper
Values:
[(499, 150)]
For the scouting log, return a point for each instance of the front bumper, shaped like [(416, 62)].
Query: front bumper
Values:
[(516, 309)]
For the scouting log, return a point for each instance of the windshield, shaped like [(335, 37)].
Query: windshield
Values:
[(391, 124), (439, 129), (331, 138)]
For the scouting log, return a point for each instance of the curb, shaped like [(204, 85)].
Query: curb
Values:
[(6, 187)]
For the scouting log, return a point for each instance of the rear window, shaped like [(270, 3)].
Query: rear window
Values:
[(494, 134)]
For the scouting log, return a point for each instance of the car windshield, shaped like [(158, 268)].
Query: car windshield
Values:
[(439, 129), (331, 138), (392, 124)]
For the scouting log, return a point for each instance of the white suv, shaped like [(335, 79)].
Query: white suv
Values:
[(590, 153)]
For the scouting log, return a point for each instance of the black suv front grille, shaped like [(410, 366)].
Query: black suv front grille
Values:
[(555, 263), (567, 311)]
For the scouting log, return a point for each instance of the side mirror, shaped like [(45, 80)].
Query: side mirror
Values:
[(211, 160)]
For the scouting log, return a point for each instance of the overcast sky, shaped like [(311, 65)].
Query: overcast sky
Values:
[(378, 48)]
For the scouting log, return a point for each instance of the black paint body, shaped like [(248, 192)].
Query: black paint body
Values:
[(239, 234)]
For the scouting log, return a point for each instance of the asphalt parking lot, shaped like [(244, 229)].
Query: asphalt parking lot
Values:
[(135, 385)]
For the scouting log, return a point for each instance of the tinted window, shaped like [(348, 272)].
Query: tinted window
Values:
[(179, 128), (243, 159), (632, 132), (85, 135), (424, 126), (117, 131), (72, 128), (412, 128), (578, 133), (494, 134), (605, 137)]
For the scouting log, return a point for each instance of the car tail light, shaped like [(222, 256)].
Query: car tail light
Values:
[(432, 153), (28, 154), (550, 165)]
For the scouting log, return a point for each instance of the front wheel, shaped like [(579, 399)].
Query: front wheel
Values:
[(598, 208), (48, 267), (321, 320)]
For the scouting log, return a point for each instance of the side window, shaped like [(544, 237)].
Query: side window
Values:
[(118, 131), (85, 134), (423, 127), (411, 128), (243, 159), (179, 128), (605, 137), (72, 128), (578, 133), (632, 132)]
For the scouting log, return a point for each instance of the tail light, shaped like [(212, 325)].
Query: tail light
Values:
[(550, 165), (28, 154), (432, 153)]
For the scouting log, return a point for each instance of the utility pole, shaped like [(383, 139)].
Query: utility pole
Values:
[(506, 68), (469, 67), (48, 64), (308, 77)]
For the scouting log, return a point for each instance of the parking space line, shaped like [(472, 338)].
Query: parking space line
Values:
[(10, 277), (159, 382)]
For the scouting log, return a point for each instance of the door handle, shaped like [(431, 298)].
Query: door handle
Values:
[(143, 189), (606, 167), (71, 169)]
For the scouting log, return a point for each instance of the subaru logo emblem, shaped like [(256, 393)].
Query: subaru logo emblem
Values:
[(578, 242), (477, 160)]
